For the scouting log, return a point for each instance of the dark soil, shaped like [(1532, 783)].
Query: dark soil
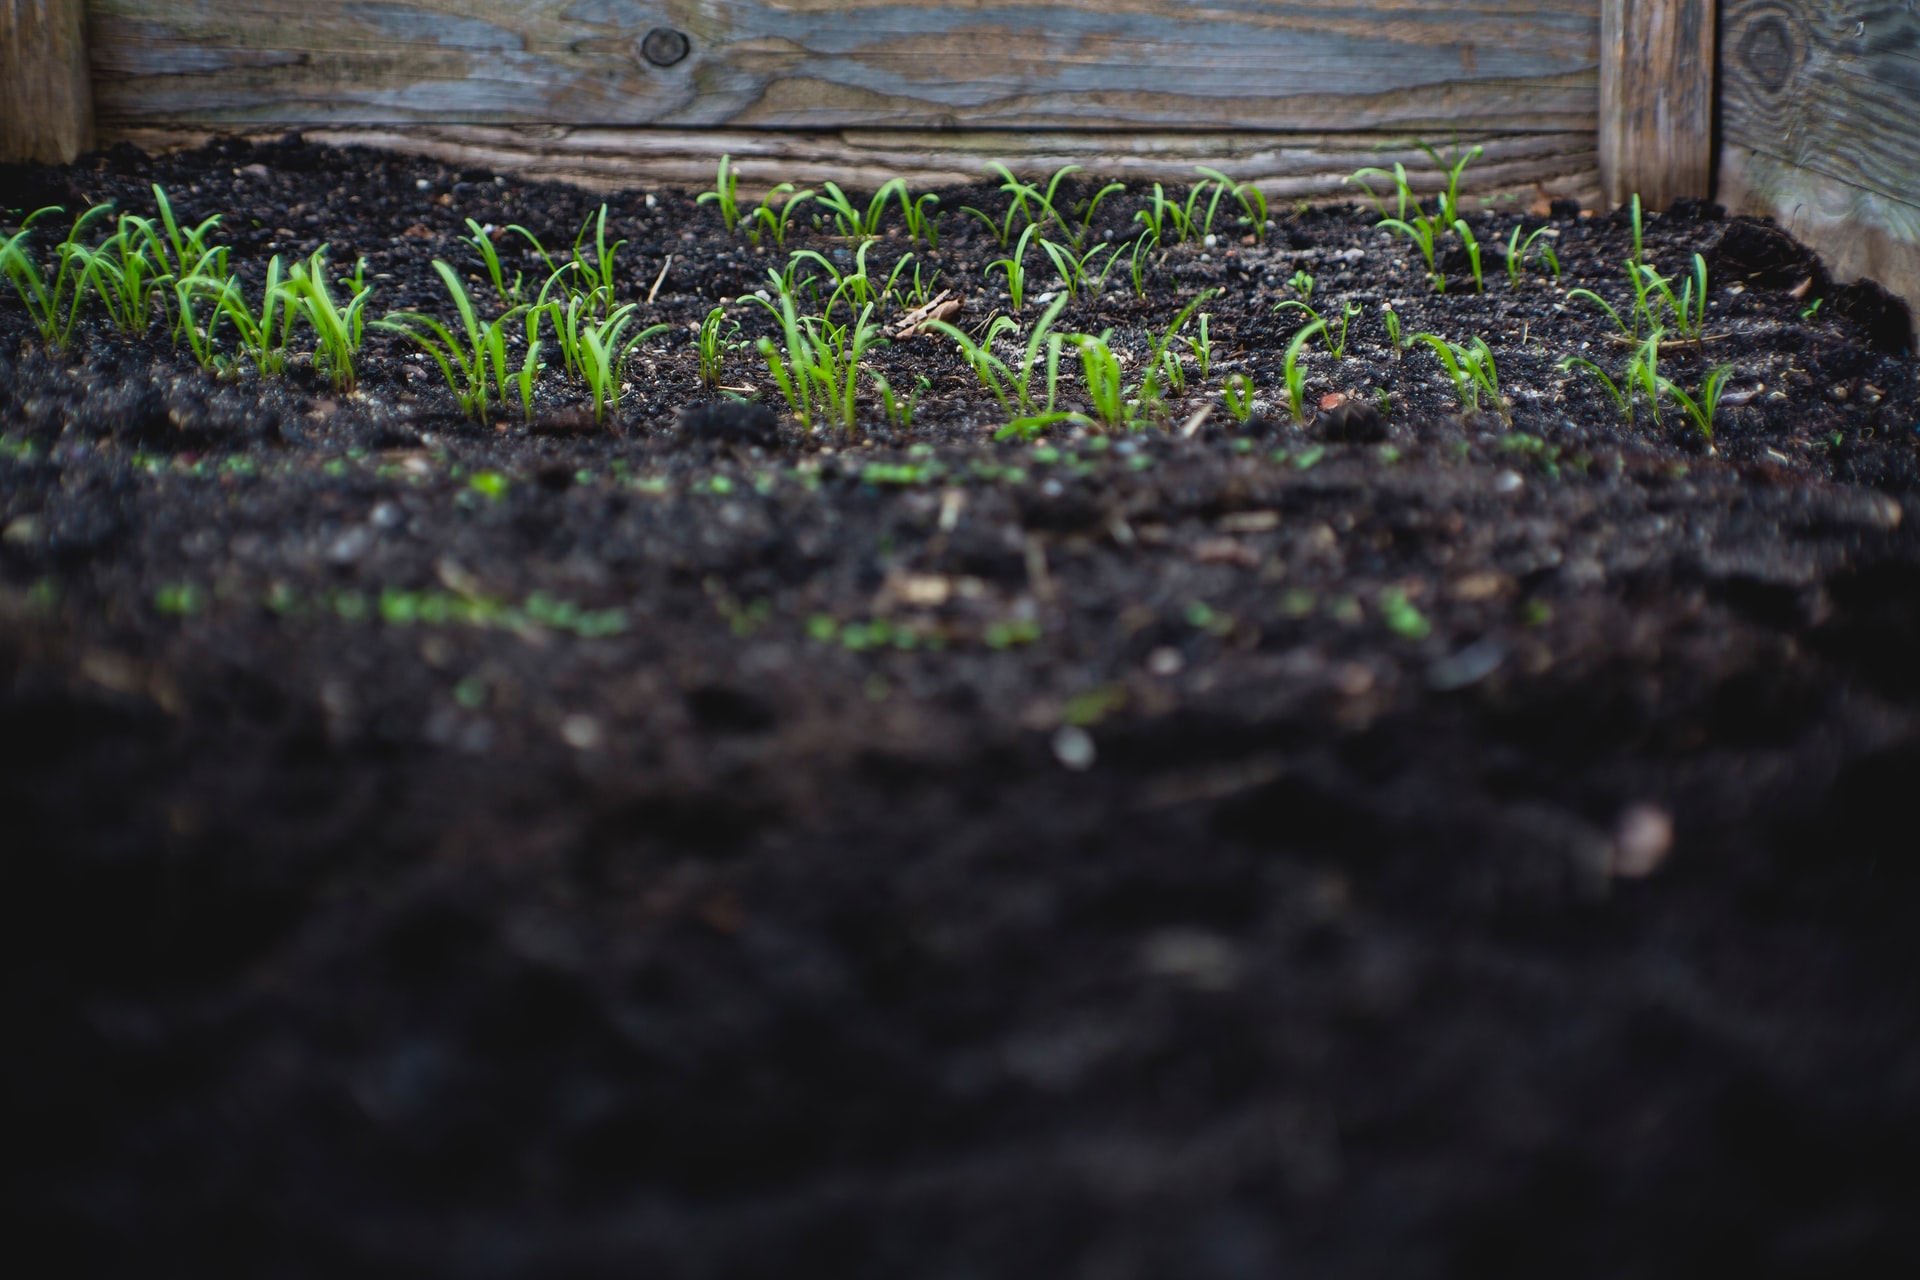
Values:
[(692, 848)]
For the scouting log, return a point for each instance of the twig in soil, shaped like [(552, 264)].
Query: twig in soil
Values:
[(659, 279)]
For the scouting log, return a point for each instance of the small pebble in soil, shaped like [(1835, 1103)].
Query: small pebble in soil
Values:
[(581, 732), (1641, 841), (1073, 747), (1165, 661)]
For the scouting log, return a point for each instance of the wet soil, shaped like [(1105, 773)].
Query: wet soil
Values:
[(1412, 845)]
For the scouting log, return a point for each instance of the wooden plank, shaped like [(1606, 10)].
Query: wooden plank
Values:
[(1533, 166), (46, 108), (1820, 116), (1656, 100), (1502, 65)]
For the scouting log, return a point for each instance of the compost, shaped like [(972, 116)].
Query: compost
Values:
[(1398, 842)]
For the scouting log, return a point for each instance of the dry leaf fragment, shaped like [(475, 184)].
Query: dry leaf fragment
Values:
[(939, 307)]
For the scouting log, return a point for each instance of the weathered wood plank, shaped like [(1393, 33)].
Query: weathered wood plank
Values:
[(1820, 117), (1508, 65), (46, 108), (1656, 100), (1534, 166)]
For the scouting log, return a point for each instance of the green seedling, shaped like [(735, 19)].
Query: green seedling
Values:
[(1237, 395), (1403, 189), (263, 336), (850, 221), (1472, 369), (470, 364), (776, 222), (1812, 309), (1252, 201), (201, 340), (1450, 197), (191, 252), (899, 411), (1638, 256), (921, 220), (1466, 235), (1294, 376), (1160, 217), (597, 349), (1422, 232), (1301, 283), (1088, 209), (1202, 347), (713, 346), (725, 194), (53, 305), (1106, 392), (1391, 319), (1163, 365), (1015, 268), (1138, 269), (1336, 346), (337, 330), (1075, 269), (1688, 310), (922, 292), (510, 294), (1518, 252), (597, 271), (1013, 387), (1701, 410), (1622, 400), (129, 272)]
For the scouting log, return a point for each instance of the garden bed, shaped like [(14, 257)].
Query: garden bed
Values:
[(1401, 841)]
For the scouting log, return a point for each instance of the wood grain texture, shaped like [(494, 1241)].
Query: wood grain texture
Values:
[(1656, 100), (1502, 65), (1533, 166), (46, 108), (1820, 117)]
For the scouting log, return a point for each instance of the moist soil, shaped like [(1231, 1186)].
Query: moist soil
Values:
[(1400, 844)]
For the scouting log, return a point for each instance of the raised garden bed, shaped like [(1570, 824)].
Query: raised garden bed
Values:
[(1404, 842)]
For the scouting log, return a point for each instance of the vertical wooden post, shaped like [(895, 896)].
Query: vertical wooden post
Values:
[(46, 92), (1656, 100)]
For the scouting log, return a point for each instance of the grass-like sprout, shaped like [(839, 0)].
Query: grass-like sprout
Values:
[(1403, 190), (54, 304), (510, 294), (1087, 209), (1688, 310), (189, 293), (725, 194), (899, 410), (1015, 268), (1643, 371), (853, 223), (1518, 252), (713, 346), (1106, 390), (1622, 400), (819, 362), (776, 222), (1198, 228), (1701, 410), (1450, 197), (191, 252), (1467, 238), (597, 271), (1252, 200), (597, 349), (1163, 368), (471, 363), (1391, 319), (263, 336), (1294, 376), (1202, 346), (1012, 387), (1160, 217), (857, 285), (1639, 255), (1336, 345), (1472, 369), (1422, 231), (1074, 268), (921, 220), (130, 272), (1138, 267), (337, 330), (922, 291), (1237, 394), (1302, 284)]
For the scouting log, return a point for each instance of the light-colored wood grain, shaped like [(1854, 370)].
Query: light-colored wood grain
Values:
[(1820, 117), (46, 109), (1656, 100), (1500, 65), (1532, 166)]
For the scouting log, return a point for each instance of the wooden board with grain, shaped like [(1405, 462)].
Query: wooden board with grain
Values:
[(1656, 100), (1488, 65), (1820, 128), (1532, 167), (46, 109)]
